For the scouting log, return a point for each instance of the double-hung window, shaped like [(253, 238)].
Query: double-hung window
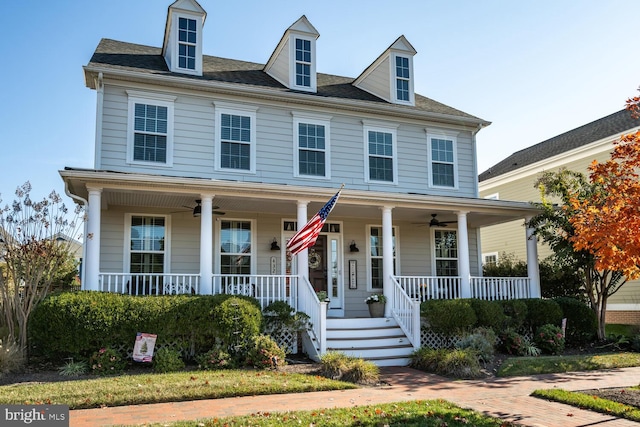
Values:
[(312, 148), (235, 138), (442, 154), (381, 157), (187, 43), (375, 256), (402, 78), (146, 252), (150, 129), (303, 62), (446, 252), (235, 247), (302, 71)]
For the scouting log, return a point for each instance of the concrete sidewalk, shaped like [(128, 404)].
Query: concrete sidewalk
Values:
[(505, 398)]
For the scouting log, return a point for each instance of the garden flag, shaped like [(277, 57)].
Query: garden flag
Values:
[(307, 235)]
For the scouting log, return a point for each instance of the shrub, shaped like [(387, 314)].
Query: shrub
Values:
[(279, 317), (216, 358), (339, 366), (515, 311), (11, 358), (236, 322), (73, 369), (264, 353), (515, 344), (542, 312), (451, 363), (488, 313), (481, 342), (74, 324), (361, 371), (448, 316), (107, 361), (167, 360), (582, 322), (549, 339)]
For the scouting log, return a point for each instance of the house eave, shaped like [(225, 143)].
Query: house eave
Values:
[(235, 89)]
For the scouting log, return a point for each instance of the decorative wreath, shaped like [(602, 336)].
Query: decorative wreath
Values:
[(314, 260)]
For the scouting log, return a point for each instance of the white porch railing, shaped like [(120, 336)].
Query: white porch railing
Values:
[(265, 288), (424, 288), (406, 311), (498, 288), (317, 312), (149, 283)]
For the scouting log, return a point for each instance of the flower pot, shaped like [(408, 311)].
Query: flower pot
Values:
[(376, 309)]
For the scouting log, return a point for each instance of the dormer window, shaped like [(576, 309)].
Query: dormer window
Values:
[(187, 41), (303, 62), (182, 46), (293, 63), (402, 78)]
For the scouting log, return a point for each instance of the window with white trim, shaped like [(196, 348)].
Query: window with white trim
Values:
[(147, 247), (490, 259), (150, 129), (187, 43), (443, 160), (375, 260), (446, 252), (380, 159), (303, 62), (312, 152), (235, 139), (235, 247), (402, 79)]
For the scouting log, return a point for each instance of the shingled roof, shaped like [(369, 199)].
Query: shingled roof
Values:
[(599, 129), (122, 56)]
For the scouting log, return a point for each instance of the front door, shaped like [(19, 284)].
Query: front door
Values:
[(324, 271)]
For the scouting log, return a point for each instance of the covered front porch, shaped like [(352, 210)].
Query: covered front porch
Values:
[(151, 235)]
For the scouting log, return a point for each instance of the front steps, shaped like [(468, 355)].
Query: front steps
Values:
[(379, 340)]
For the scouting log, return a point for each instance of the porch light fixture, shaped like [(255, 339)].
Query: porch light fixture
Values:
[(274, 245), (353, 247)]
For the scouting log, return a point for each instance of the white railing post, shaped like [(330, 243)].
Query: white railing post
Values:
[(416, 325), (323, 327)]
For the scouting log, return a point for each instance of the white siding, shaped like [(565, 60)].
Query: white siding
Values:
[(378, 81)]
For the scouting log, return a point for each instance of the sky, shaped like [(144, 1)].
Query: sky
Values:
[(535, 69)]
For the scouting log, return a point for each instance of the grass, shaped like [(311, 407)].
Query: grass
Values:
[(428, 413), (592, 403), (170, 387), (619, 329), (518, 366)]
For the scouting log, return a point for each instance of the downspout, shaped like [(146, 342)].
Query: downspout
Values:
[(99, 109), (84, 233)]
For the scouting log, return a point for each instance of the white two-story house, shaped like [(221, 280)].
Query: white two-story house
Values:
[(206, 166)]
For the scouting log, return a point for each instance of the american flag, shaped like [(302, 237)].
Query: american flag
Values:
[(307, 235)]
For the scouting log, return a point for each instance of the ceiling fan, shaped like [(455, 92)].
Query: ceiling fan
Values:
[(197, 209), (436, 223)]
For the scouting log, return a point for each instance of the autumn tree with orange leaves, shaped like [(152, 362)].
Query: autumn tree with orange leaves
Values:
[(598, 222)]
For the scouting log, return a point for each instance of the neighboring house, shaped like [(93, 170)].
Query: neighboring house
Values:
[(514, 179), (206, 166)]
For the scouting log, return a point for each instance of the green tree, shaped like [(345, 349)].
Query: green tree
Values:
[(34, 257)]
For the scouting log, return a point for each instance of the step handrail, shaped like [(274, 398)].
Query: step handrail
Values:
[(406, 311)]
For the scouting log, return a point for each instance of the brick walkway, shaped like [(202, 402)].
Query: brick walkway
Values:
[(506, 398)]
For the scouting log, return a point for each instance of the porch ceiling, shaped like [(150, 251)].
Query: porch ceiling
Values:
[(176, 195)]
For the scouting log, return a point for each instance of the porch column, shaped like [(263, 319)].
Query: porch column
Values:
[(206, 244), (303, 257), (387, 258), (463, 256), (91, 281), (533, 269)]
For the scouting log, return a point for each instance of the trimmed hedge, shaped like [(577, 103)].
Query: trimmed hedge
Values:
[(489, 314), (582, 322), (79, 323), (448, 316), (515, 311), (542, 312)]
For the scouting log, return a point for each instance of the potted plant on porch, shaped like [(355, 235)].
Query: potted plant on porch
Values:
[(376, 304)]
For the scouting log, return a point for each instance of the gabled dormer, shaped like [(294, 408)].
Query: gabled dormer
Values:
[(391, 77), (182, 47), (293, 63)]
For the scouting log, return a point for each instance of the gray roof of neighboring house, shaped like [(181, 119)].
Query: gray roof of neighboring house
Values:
[(583, 135), (124, 56)]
